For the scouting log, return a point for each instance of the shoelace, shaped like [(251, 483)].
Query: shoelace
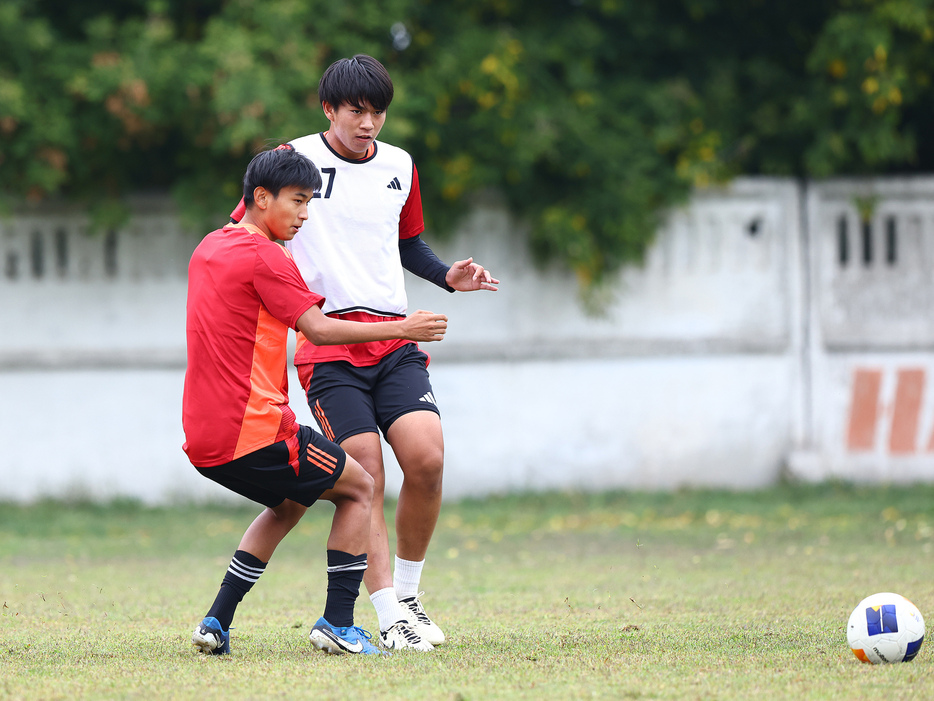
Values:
[(415, 606), (361, 633), (410, 635)]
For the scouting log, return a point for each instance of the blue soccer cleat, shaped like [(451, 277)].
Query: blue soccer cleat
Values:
[(337, 641), (210, 638)]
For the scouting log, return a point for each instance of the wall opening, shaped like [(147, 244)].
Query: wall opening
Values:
[(37, 255), (891, 241), (843, 242), (866, 236)]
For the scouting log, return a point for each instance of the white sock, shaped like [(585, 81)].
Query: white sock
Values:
[(388, 608), (406, 577)]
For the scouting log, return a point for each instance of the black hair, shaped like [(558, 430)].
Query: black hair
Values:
[(277, 168), (353, 81)]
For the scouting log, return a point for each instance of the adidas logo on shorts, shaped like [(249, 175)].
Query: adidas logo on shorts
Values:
[(429, 397)]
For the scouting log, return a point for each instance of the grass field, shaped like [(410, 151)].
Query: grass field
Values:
[(688, 595)]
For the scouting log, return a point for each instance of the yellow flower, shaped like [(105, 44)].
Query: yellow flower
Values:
[(489, 64), (837, 68)]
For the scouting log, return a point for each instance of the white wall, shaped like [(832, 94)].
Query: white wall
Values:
[(738, 349), (870, 346)]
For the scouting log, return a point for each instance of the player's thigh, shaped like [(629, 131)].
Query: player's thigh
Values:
[(289, 511), (340, 399), (418, 444), (367, 450), (355, 484)]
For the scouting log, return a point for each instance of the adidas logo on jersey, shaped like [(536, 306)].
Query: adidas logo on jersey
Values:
[(395, 184), (430, 398)]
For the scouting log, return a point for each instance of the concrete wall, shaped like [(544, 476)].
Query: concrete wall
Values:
[(871, 341), (741, 348)]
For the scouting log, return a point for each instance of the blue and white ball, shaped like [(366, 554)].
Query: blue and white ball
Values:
[(884, 628)]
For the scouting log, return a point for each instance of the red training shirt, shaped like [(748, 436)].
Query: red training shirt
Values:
[(244, 293)]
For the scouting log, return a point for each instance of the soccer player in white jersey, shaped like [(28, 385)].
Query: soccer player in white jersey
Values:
[(364, 230)]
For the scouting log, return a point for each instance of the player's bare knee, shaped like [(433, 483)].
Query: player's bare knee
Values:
[(374, 472), (288, 513), (367, 490), (424, 477), (360, 484)]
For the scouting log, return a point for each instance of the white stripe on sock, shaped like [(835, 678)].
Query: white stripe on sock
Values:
[(351, 567), (245, 572)]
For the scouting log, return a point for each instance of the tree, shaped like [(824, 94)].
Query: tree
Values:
[(590, 117)]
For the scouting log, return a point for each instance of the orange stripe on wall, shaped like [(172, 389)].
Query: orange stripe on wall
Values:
[(907, 411), (864, 411)]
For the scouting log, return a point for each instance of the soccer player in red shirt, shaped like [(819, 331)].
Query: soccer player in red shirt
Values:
[(244, 293)]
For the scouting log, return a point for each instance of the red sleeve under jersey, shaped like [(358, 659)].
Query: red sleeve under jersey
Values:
[(411, 219)]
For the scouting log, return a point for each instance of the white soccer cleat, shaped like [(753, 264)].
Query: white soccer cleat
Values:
[(421, 624), (400, 636)]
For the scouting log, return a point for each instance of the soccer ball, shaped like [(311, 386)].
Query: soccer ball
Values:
[(885, 628)]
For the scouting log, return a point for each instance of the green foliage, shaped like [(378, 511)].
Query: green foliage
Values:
[(872, 102), (589, 117)]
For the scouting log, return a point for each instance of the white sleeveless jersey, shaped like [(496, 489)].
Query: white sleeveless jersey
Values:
[(348, 248)]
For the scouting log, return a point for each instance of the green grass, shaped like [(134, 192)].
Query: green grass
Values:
[(686, 595)]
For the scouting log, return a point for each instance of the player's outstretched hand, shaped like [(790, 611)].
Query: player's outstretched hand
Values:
[(467, 276), (425, 326)]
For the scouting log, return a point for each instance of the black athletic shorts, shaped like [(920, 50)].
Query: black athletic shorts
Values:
[(300, 468), (346, 400)]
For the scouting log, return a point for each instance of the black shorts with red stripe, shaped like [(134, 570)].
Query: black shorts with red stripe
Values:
[(347, 400), (301, 468)]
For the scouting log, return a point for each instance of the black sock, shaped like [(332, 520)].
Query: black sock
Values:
[(345, 572), (242, 574)]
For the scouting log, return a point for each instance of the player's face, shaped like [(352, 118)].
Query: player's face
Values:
[(353, 128), (287, 212)]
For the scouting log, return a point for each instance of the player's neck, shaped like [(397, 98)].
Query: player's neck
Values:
[(258, 226)]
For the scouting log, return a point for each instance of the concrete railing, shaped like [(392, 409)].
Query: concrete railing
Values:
[(774, 326)]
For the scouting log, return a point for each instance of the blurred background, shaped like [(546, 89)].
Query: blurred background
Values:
[(713, 221)]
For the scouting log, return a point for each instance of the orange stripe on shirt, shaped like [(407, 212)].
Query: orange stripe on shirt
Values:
[(264, 413)]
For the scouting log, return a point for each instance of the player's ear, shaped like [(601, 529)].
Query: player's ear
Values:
[(329, 110), (261, 197)]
